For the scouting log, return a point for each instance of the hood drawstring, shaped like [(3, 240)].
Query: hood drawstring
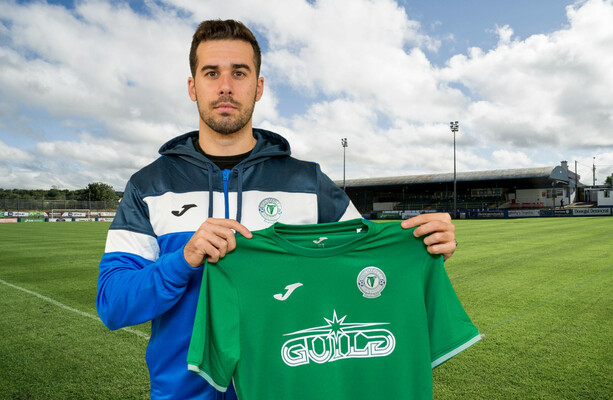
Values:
[(239, 201), (210, 175)]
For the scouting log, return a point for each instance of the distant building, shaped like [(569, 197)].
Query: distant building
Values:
[(600, 195), (522, 188)]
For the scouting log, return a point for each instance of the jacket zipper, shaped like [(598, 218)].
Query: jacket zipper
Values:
[(226, 176)]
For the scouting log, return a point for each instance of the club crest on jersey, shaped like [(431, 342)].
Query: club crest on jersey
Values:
[(337, 340), (270, 209), (371, 282)]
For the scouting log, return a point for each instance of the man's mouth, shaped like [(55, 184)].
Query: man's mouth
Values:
[(225, 105), (225, 108)]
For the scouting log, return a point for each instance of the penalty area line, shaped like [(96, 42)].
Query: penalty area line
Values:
[(65, 307)]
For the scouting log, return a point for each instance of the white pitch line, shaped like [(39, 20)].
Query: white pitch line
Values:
[(74, 310)]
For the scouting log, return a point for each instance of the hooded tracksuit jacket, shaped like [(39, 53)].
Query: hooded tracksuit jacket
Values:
[(143, 274)]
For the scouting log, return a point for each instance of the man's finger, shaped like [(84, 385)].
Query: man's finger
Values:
[(438, 238), (446, 249), (425, 218), (435, 226), (227, 223)]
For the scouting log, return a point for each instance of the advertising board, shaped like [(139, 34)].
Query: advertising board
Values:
[(523, 213), (74, 214), (591, 211), (490, 214)]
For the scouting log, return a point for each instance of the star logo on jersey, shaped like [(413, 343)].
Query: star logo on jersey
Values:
[(270, 209), (337, 340), (371, 282)]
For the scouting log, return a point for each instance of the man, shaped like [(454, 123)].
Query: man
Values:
[(184, 207)]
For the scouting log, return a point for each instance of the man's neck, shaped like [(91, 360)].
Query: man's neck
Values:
[(218, 144), (223, 162)]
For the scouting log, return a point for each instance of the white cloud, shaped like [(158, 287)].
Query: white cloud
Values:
[(13, 154), (95, 60), (93, 153), (98, 66), (512, 159), (543, 92), (92, 92), (547, 90), (585, 167), (328, 49), (505, 33)]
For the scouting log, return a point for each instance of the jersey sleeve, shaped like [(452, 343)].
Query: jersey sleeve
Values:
[(214, 349), (450, 329)]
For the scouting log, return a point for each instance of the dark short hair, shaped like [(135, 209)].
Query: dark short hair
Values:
[(223, 30)]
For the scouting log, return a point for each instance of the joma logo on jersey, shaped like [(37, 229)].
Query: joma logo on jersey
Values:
[(336, 341), (270, 209)]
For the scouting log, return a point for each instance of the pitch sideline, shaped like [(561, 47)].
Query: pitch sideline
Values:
[(65, 307)]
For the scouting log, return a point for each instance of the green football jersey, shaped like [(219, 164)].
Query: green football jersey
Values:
[(346, 310)]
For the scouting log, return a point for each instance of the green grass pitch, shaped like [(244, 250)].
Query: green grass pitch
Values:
[(541, 290)]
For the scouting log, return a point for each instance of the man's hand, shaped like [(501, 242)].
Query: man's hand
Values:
[(440, 231), (213, 240)]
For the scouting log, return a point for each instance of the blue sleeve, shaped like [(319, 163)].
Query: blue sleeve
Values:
[(135, 283)]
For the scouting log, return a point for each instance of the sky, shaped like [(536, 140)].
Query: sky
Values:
[(90, 89)]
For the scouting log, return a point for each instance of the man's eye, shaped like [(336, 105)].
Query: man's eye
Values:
[(211, 74), (239, 73)]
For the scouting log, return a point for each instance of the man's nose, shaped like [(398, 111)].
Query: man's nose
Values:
[(225, 84)]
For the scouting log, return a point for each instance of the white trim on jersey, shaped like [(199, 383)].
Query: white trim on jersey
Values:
[(350, 213), (194, 368), (161, 208), (293, 208), (455, 351), (120, 240)]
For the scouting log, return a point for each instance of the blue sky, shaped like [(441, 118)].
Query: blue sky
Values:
[(472, 22), (89, 90)]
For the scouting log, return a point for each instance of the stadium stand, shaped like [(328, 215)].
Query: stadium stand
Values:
[(550, 187)]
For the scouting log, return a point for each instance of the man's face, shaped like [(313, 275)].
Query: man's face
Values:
[(225, 86)]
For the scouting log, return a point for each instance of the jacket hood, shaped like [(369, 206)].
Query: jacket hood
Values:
[(269, 144)]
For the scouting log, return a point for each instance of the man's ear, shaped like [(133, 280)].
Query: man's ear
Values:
[(191, 88), (260, 89)]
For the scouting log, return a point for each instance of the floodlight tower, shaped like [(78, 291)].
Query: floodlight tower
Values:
[(344, 143), (455, 126)]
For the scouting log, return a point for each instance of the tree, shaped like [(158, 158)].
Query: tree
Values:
[(608, 181), (54, 193), (99, 191)]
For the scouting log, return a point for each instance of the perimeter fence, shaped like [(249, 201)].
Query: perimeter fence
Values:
[(45, 204)]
